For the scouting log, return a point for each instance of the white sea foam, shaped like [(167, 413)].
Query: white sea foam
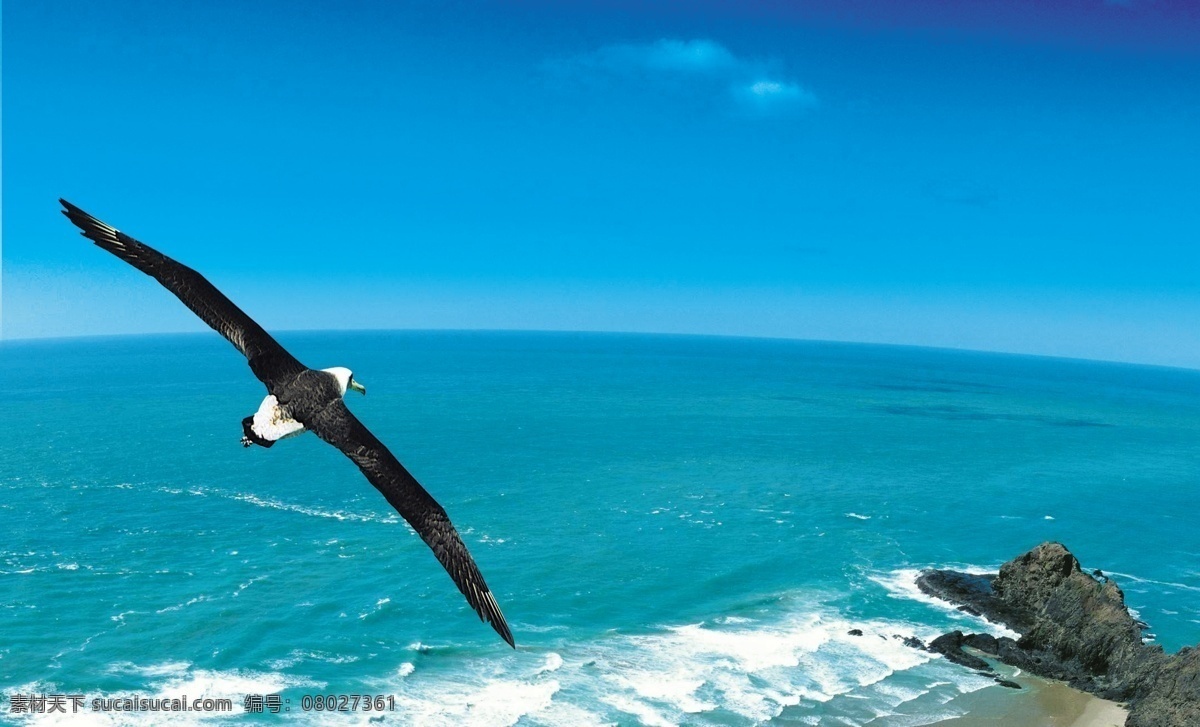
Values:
[(897, 695), (180, 606), (120, 617), (298, 656), (565, 713), (312, 511), (1168, 584), (554, 662), (168, 668), (754, 668), (243, 586), (645, 714), (856, 516), (229, 684), (274, 504), (539, 628), (676, 689), (378, 607), (734, 620), (738, 669), (493, 703)]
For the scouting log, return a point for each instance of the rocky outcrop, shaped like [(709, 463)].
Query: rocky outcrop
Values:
[(1074, 627), (974, 594)]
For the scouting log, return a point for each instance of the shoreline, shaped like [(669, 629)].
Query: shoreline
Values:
[(1039, 703)]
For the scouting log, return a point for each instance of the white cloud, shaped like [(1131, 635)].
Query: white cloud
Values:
[(668, 54), (768, 95), (754, 83), (770, 88)]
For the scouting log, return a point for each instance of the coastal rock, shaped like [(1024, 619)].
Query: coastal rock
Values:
[(913, 642), (1172, 696), (1080, 620), (984, 642), (1076, 628), (950, 646), (974, 594)]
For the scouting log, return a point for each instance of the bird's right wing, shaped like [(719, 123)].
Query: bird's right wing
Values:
[(338, 426), (269, 361)]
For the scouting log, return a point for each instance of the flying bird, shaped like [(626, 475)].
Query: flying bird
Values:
[(301, 399)]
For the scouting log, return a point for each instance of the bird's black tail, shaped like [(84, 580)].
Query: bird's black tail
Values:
[(249, 436)]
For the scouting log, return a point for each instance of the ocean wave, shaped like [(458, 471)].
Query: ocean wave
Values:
[(298, 656), (180, 606), (120, 617), (727, 670), (243, 586), (379, 604), (470, 702), (1168, 584), (311, 511), (554, 662), (275, 504)]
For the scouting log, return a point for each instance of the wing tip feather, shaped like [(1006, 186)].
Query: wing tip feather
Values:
[(96, 230), (490, 611)]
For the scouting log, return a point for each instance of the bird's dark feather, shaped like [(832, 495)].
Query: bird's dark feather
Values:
[(269, 361), (338, 426), (313, 399)]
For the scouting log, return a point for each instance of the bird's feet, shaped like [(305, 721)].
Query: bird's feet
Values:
[(246, 442)]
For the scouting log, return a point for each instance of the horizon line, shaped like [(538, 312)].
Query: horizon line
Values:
[(674, 334)]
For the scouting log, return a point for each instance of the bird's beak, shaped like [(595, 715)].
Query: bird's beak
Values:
[(358, 387)]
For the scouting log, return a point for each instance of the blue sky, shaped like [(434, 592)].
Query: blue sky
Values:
[(991, 175)]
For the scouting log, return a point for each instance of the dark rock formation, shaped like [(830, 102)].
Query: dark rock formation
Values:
[(950, 646), (913, 642), (1075, 627), (974, 594)]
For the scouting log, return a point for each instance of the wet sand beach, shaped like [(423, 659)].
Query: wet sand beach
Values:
[(1039, 703)]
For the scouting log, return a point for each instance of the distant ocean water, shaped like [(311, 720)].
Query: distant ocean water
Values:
[(681, 530)]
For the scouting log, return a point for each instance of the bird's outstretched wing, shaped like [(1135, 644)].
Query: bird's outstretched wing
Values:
[(336, 425), (269, 361)]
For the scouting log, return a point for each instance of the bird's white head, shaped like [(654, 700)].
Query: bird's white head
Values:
[(345, 380)]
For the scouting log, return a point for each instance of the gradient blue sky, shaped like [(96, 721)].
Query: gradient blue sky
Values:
[(1016, 176)]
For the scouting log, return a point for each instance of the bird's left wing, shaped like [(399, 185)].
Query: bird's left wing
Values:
[(338, 426), (269, 361)]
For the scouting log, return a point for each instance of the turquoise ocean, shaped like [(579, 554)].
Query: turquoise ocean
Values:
[(680, 530)]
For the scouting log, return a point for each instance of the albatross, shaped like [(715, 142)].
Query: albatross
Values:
[(300, 399)]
